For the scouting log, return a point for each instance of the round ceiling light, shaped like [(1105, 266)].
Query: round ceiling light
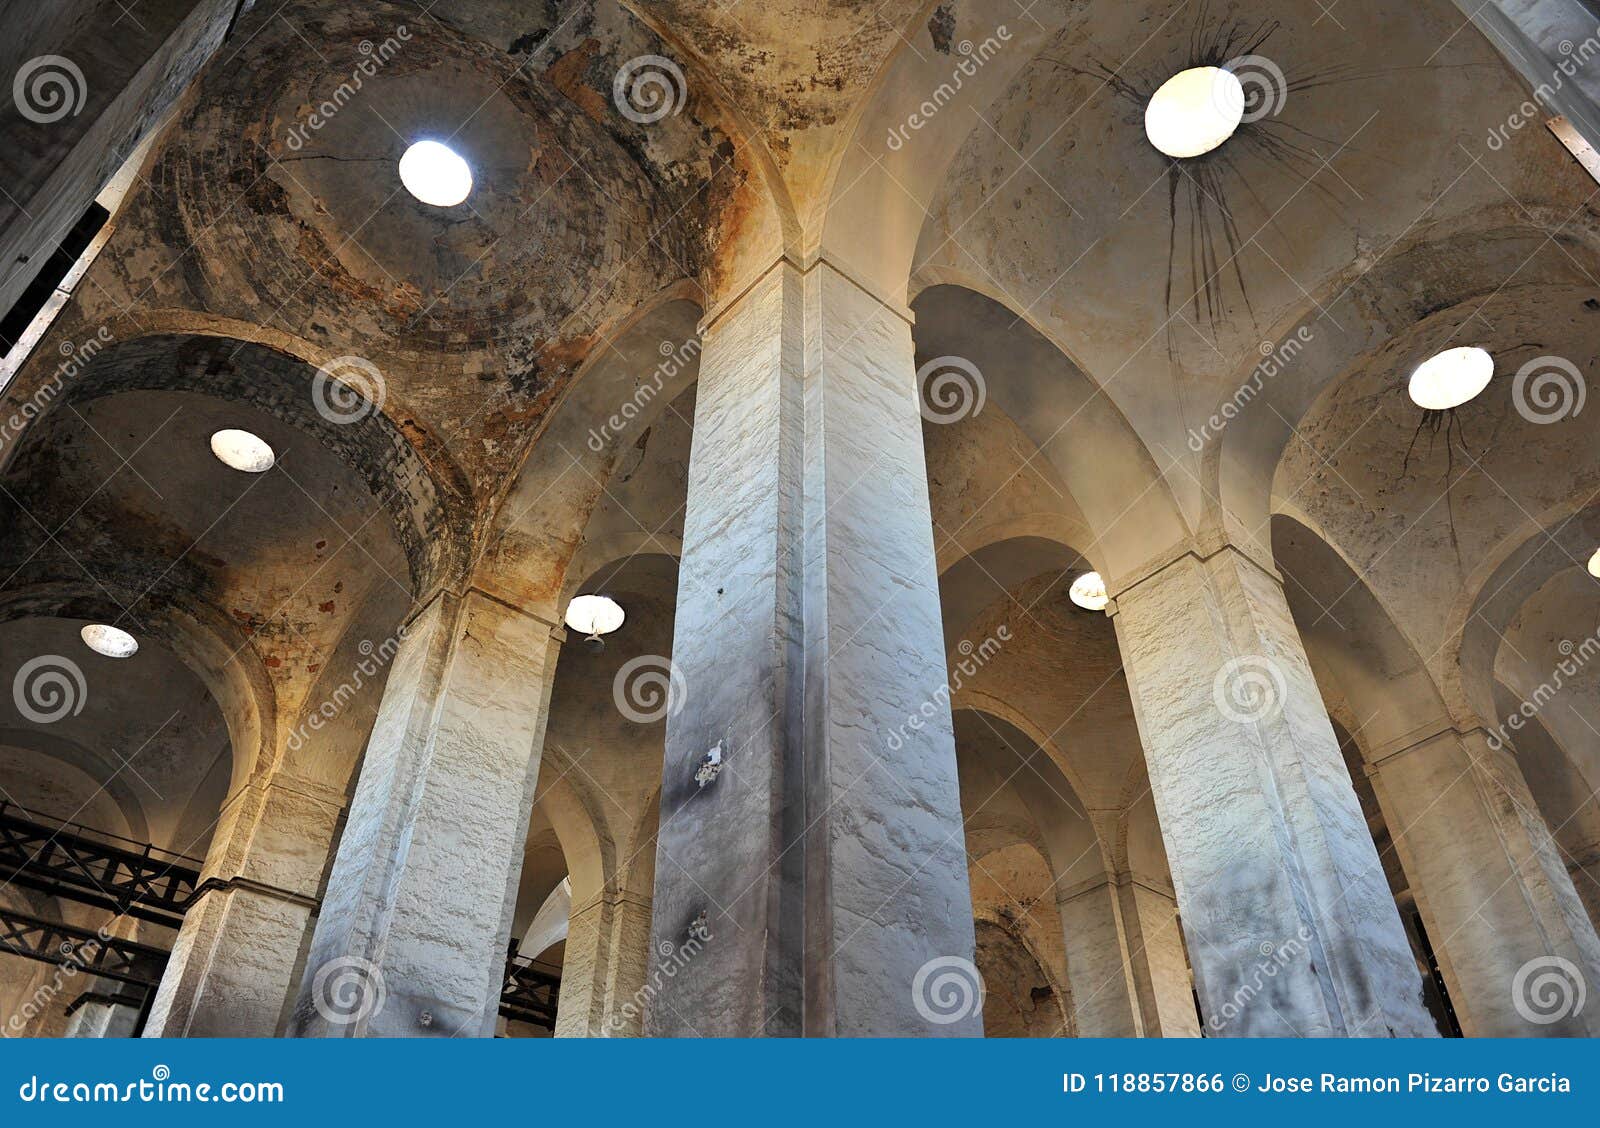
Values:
[(241, 450), (1194, 111), (1089, 592), (1594, 564), (594, 615), (113, 642), (435, 174), (1451, 378)]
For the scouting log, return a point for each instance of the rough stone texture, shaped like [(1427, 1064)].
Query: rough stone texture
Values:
[(1271, 859), (604, 969), (1160, 967), (1491, 884), (796, 531), (135, 69), (1019, 1000), (1104, 995), (422, 886), (232, 968)]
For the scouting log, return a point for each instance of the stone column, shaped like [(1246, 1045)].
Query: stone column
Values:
[(233, 967), (1511, 935), (1098, 968), (1160, 968), (412, 936), (604, 972), (828, 857), (1291, 927), (104, 1019)]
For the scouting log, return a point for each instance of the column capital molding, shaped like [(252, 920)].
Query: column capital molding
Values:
[(557, 630), (1421, 737), (1202, 548), (274, 778), (803, 265)]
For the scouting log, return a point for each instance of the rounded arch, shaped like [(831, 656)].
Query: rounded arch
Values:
[(1395, 313), (1109, 475), (424, 492), (210, 645)]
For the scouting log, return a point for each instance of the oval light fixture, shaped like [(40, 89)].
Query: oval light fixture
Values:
[(1089, 592), (435, 174), (593, 616), (1594, 564), (113, 642), (241, 450), (1194, 111), (1451, 378)]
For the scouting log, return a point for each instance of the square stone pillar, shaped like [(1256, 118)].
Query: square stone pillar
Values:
[(1099, 967), (1515, 944), (233, 967), (414, 925), (1160, 968), (605, 969), (827, 857), (1291, 927)]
